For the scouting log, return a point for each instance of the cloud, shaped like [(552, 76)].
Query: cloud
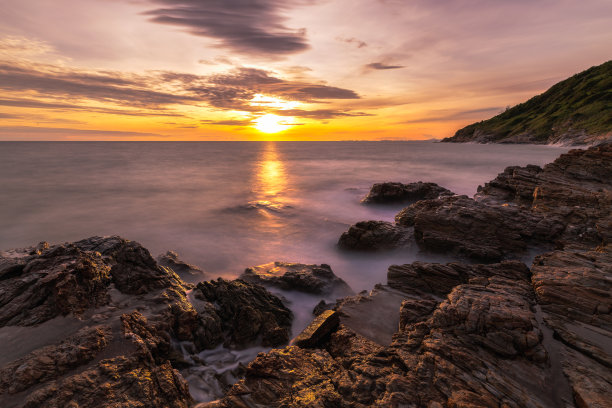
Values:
[(156, 93), (72, 132), (353, 41), (37, 104), (252, 27), (228, 122), (318, 113), (473, 114), (380, 66)]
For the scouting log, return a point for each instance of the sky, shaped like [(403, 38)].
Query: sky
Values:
[(283, 69)]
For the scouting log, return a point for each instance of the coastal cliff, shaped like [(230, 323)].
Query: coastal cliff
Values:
[(576, 111)]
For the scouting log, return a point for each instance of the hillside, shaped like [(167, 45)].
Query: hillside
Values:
[(577, 110)]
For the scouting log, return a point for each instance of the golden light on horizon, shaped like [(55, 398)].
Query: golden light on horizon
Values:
[(271, 123)]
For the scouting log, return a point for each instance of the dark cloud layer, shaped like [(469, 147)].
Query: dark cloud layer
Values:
[(35, 130), (382, 66), (158, 92), (245, 26)]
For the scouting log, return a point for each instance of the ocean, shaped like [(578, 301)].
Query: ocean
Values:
[(225, 206)]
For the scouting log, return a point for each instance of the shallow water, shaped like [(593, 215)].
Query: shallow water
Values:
[(228, 205)]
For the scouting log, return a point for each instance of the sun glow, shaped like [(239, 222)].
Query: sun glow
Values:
[(272, 123)]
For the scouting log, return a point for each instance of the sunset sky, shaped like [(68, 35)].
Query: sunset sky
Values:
[(283, 69)]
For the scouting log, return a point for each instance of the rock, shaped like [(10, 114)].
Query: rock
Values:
[(316, 279), (186, 271), (318, 330), (386, 193), (374, 235), (72, 335), (471, 228), (321, 307), (574, 291), (246, 313), (480, 346), (576, 187)]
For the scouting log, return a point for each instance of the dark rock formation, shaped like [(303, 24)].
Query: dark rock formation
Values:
[(316, 279), (480, 345), (389, 192), (246, 313), (467, 227), (576, 188), (374, 235), (574, 291), (566, 204), (72, 335), (318, 330), (186, 271)]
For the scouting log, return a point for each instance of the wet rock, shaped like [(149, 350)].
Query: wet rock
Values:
[(246, 313), (72, 335), (471, 228), (574, 291), (186, 271), (316, 279), (440, 279), (63, 280), (480, 346), (386, 193), (577, 187), (374, 235), (318, 330), (321, 307)]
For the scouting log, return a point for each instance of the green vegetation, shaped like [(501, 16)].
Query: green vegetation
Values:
[(579, 105)]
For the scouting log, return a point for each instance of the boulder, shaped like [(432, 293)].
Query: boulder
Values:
[(394, 193), (72, 335), (246, 313), (186, 271), (318, 330), (374, 235), (315, 279)]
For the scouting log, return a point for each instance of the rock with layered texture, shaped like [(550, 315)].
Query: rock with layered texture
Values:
[(471, 228), (576, 188), (186, 271), (246, 313), (393, 193), (315, 279), (481, 345), (374, 235), (71, 332), (574, 291)]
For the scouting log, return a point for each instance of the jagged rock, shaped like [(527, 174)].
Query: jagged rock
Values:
[(576, 187), (71, 335), (389, 192), (373, 235), (245, 312), (440, 279), (186, 271), (575, 293), (318, 330), (481, 346), (321, 307), (316, 279), (467, 227)]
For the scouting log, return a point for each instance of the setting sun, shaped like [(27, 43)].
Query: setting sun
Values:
[(271, 123)]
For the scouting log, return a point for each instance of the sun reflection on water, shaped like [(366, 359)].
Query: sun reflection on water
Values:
[(271, 180)]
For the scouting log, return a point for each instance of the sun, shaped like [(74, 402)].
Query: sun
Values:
[(271, 123)]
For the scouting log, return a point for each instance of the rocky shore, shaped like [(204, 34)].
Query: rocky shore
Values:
[(523, 318)]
